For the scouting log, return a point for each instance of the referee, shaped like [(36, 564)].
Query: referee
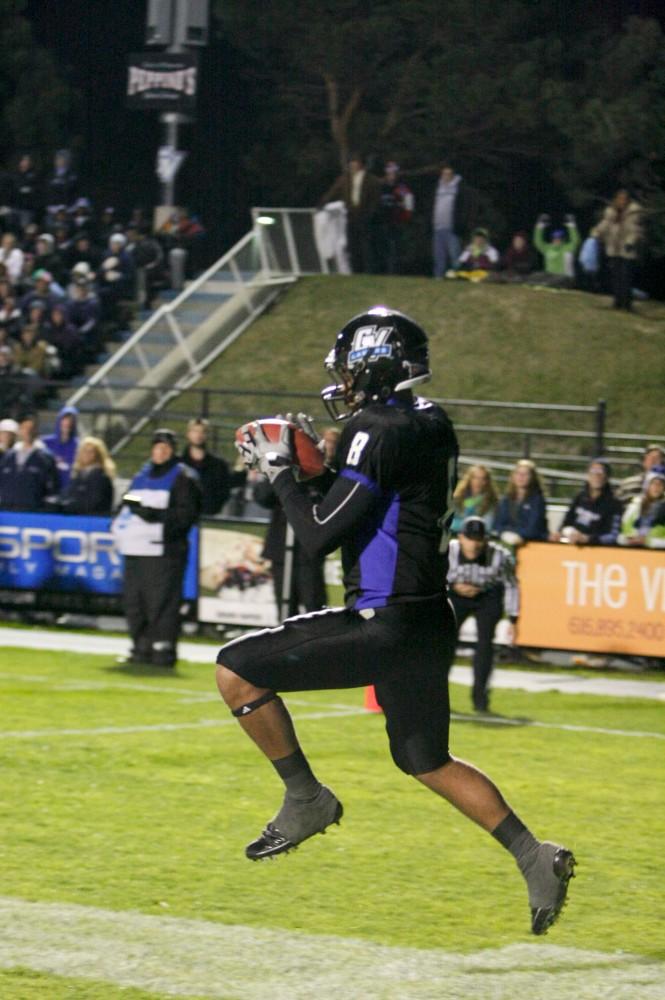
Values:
[(481, 581)]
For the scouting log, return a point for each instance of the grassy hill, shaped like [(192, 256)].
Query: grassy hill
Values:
[(487, 342)]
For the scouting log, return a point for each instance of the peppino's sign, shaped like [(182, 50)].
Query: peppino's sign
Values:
[(164, 81)]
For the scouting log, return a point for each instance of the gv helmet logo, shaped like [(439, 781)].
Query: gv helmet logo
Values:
[(370, 336)]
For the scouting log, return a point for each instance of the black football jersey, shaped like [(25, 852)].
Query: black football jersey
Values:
[(389, 505)]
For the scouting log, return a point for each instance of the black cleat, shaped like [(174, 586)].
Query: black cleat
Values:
[(295, 822), (554, 870)]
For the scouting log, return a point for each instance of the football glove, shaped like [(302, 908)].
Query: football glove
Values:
[(259, 452), (306, 425)]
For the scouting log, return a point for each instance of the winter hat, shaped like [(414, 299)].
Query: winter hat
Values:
[(474, 527), (163, 434), (658, 472)]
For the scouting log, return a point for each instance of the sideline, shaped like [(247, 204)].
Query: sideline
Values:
[(180, 957), (518, 680)]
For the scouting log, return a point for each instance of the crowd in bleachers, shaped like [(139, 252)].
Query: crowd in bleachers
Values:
[(72, 275), (632, 513)]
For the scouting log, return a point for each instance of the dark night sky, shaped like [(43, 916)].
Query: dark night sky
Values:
[(90, 40)]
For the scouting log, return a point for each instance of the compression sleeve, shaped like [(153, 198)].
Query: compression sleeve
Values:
[(320, 527)]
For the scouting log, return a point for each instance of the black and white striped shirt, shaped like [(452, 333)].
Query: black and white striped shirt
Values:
[(494, 567)]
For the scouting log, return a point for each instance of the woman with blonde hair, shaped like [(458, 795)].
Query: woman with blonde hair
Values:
[(90, 489), (475, 496), (522, 514)]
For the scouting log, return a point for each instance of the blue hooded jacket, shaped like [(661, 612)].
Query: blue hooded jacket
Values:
[(64, 452)]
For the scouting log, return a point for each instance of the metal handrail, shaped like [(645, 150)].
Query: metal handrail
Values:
[(164, 310)]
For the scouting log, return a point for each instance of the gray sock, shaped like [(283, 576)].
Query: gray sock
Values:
[(516, 838), (297, 775)]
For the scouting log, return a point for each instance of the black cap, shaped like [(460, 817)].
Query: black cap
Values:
[(474, 527), (165, 435)]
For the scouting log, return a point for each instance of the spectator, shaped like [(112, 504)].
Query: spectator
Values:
[(48, 259), (395, 214), (62, 335), (451, 218), (151, 532), (62, 185), (475, 496), (26, 200), (519, 259), (11, 318), (84, 312), (15, 388), (64, 442), (361, 193), (632, 486), (480, 255), (82, 251), (43, 293), (148, 260), (107, 225), (81, 217), (8, 433), (644, 520), (116, 277), (28, 473), (214, 474), (620, 230), (481, 582), (558, 253), (90, 487), (32, 355), (12, 257), (521, 514), (594, 516)]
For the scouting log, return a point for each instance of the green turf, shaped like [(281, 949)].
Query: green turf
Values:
[(486, 341), (157, 821)]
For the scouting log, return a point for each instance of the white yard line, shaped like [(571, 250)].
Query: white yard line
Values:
[(522, 680), (171, 956), (160, 727)]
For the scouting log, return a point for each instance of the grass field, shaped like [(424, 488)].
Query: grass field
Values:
[(486, 342), (128, 797)]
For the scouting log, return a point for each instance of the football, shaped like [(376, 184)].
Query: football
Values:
[(306, 455)]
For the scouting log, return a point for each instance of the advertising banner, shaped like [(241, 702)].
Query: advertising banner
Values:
[(607, 600), (235, 581), (65, 554), (162, 81)]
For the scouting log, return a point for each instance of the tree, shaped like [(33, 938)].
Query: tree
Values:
[(34, 99), (612, 122)]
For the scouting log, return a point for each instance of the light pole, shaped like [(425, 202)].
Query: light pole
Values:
[(177, 26)]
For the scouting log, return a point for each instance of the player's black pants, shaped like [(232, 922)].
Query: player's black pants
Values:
[(152, 597), (621, 271), (487, 608), (404, 650)]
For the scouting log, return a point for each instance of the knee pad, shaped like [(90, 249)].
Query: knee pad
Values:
[(252, 706)]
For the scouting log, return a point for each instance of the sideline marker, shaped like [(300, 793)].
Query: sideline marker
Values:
[(371, 704)]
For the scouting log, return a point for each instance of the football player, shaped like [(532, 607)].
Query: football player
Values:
[(389, 509)]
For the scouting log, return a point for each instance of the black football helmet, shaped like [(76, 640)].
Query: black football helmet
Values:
[(376, 354)]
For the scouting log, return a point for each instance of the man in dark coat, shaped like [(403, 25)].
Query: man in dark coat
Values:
[(214, 474), (361, 193)]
